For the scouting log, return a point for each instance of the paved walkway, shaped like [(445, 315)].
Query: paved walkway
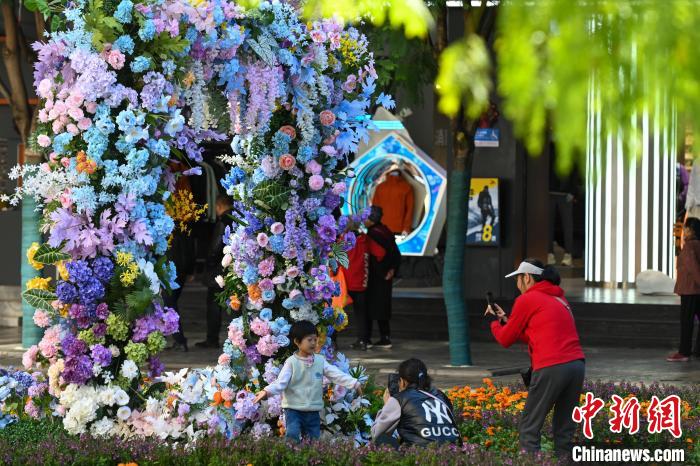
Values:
[(489, 359)]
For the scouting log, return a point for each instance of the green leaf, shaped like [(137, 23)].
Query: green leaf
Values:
[(137, 302), (40, 299), (48, 255), (340, 255), (271, 193)]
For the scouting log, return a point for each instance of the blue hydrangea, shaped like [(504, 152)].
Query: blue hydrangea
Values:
[(84, 198), (97, 142), (276, 243), (140, 64), (124, 44), (305, 154), (232, 178), (174, 124), (250, 276), (123, 13), (60, 142), (169, 67), (137, 158), (159, 147), (148, 30)]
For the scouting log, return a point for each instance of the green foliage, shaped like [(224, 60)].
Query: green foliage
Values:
[(464, 77), (340, 255), (103, 26), (272, 195), (30, 431), (40, 299), (403, 65), (411, 15), (138, 302), (48, 255)]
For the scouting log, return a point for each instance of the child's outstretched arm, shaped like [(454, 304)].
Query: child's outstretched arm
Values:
[(279, 385), (339, 377)]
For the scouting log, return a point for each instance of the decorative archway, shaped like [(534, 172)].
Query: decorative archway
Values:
[(126, 88)]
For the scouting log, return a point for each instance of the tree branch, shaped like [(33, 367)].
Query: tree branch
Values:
[(5, 91), (11, 58)]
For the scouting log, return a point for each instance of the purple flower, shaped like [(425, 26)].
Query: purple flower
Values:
[(79, 271), (252, 354), (99, 330), (171, 322), (73, 346), (101, 355), (102, 311), (102, 267), (155, 367), (77, 370), (91, 290), (37, 390), (143, 327), (66, 292)]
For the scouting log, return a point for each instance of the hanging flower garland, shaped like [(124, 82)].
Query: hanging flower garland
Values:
[(125, 89)]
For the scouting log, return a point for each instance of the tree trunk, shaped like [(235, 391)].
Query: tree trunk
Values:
[(11, 57)]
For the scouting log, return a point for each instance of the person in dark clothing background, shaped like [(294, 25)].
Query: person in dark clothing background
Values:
[(485, 204), (214, 268), (563, 193), (181, 253), (381, 275)]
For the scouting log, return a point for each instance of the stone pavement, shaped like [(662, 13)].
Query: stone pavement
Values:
[(490, 360)]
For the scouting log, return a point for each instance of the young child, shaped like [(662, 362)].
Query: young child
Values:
[(301, 383), (688, 287)]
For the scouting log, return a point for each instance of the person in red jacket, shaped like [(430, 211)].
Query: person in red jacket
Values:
[(542, 318), (688, 288), (356, 278)]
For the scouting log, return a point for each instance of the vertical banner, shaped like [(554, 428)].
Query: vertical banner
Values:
[(483, 224)]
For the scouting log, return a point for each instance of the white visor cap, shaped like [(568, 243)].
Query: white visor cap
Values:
[(526, 267)]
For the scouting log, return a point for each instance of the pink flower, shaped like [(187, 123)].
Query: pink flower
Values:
[(76, 99), (44, 88), (31, 409), (263, 239), (267, 345), (278, 280), (91, 107), (65, 161), (41, 318), (47, 345), (76, 113), (259, 327), (293, 271), (350, 83), (327, 118), (84, 123), (224, 359), (313, 167), (73, 129), (317, 36), (116, 59), (57, 126), (316, 182), (289, 131), (227, 394), (287, 162), (339, 188), (29, 357), (267, 266), (226, 261), (45, 167), (65, 199), (277, 228), (43, 140), (235, 335)]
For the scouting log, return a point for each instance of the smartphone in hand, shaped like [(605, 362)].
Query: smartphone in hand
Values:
[(393, 384), (489, 300)]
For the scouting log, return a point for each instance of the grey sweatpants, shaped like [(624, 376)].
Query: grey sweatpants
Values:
[(556, 386)]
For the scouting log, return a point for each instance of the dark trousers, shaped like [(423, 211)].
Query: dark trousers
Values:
[(558, 202), (556, 386), (690, 307), (384, 329), (360, 314), (306, 424), (170, 300), (213, 316)]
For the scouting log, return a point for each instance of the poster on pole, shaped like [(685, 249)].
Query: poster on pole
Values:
[(483, 224)]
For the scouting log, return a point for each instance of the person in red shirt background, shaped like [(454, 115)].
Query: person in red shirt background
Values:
[(356, 279), (542, 318)]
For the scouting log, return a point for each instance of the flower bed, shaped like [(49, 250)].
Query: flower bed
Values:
[(31, 443), (491, 414)]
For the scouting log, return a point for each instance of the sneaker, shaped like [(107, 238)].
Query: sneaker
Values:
[(177, 346), (207, 344), (677, 357), (567, 260), (359, 345), (551, 260), (383, 343)]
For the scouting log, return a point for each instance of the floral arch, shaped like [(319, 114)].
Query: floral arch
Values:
[(125, 88)]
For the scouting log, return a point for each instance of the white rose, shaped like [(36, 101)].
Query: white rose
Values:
[(123, 413), (121, 397), (220, 281), (115, 351), (102, 427), (152, 406), (129, 369), (83, 411), (227, 250)]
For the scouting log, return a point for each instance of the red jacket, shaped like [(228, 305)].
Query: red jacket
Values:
[(548, 327), (357, 273), (688, 269)]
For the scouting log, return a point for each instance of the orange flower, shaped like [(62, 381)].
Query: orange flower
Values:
[(218, 399), (128, 464), (488, 443), (235, 302), (254, 292), (490, 430)]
